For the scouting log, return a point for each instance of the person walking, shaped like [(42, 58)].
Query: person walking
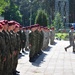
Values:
[(71, 38)]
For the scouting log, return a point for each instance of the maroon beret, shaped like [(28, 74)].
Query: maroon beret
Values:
[(72, 27), (17, 26), (20, 26), (36, 25), (33, 26), (28, 27), (2, 22), (11, 22), (24, 27), (5, 21), (41, 27)]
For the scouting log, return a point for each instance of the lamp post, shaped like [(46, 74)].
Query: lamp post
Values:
[(30, 12)]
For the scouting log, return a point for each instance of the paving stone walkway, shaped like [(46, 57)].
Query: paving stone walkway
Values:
[(53, 61)]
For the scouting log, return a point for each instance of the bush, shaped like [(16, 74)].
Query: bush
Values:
[(41, 18), (62, 36)]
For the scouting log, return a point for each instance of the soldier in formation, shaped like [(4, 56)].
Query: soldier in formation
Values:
[(52, 35), (10, 43), (46, 38), (2, 50), (14, 38), (32, 43), (27, 37)]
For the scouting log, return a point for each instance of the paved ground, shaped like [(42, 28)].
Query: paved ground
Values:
[(53, 61)]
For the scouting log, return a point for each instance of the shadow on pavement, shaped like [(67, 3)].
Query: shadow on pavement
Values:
[(73, 52), (22, 54), (39, 60), (48, 49), (54, 43)]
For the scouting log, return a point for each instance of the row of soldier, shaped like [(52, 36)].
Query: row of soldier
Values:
[(14, 38), (37, 39)]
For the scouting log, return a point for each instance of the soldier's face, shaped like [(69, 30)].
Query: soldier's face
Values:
[(33, 29), (17, 29), (6, 26), (41, 29)]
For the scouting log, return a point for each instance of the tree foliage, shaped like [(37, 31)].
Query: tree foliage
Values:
[(41, 18), (12, 12), (24, 6), (34, 5), (57, 22), (3, 4)]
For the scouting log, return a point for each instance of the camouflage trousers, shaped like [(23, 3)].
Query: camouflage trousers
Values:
[(32, 51), (14, 61), (7, 68)]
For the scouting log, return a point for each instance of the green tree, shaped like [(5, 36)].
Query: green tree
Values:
[(3, 4), (57, 22), (12, 12), (41, 18)]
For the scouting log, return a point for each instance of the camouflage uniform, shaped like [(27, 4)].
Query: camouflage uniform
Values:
[(22, 38), (18, 42), (52, 36), (40, 42), (71, 40), (20, 34), (32, 42), (7, 66), (2, 52), (36, 41), (47, 39), (13, 49), (44, 40), (17, 50), (27, 40)]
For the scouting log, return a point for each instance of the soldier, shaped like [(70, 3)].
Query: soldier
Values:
[(40, 40), (23, 39), (20, 34), (7, 69), (45, 42), (13, 44), (46, 38), (16, 30), (71, 38), (17, 47), (27, 37), (47, 30), (52, 36), (37, 39), (32, 43), (2, 50)]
